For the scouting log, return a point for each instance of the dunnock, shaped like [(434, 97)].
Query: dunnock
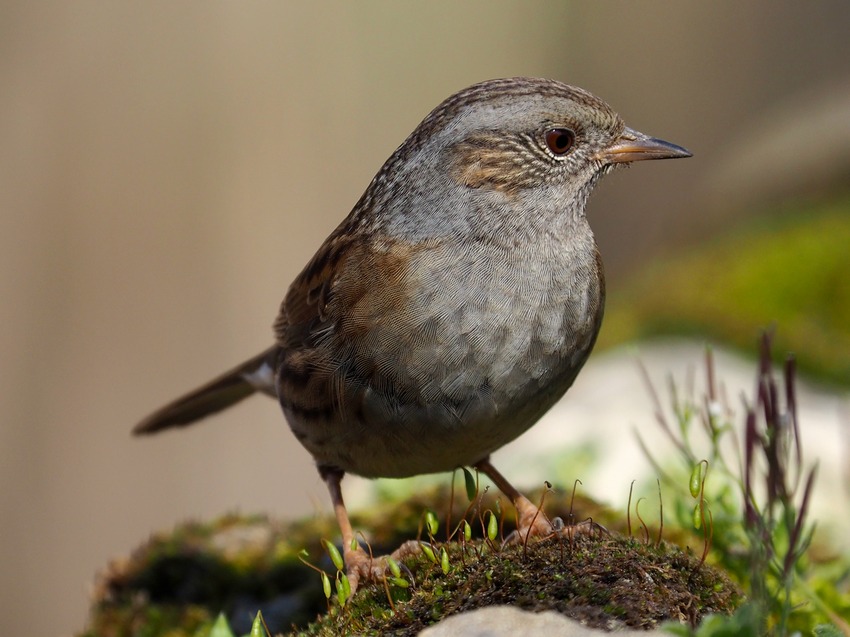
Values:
[(454, 305)]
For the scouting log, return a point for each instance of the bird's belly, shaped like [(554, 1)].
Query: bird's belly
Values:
[(451, 388)]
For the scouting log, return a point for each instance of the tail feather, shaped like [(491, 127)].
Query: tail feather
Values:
[(255, 374)]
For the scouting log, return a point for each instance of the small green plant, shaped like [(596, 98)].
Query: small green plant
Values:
[(696, 486), (341, 582), (759, 499), (258, 627), (221, 627)]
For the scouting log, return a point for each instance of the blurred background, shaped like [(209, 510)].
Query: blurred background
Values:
[(166, 169)]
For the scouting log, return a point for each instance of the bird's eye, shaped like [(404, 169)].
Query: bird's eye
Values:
[(560, 140)]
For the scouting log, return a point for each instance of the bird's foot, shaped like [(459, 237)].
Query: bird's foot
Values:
[(585, 527), (532, 522), (361, 567)]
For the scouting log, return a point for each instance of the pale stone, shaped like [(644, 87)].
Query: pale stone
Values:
[(509, 621)]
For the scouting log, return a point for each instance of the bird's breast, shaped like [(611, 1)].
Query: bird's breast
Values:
[(507, 323)]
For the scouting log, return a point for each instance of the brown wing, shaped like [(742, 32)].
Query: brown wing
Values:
[(351, 295), (349, 283), (305, 300)]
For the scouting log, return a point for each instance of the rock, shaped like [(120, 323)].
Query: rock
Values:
[(509, 621)]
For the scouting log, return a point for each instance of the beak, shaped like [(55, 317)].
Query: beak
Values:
[(635, 146)]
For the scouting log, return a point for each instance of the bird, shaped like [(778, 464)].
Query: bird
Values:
[(453, 306)]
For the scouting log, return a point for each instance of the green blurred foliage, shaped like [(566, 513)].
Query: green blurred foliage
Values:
[(791, 270)]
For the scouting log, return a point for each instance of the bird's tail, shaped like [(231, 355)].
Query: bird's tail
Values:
[(255, 374)]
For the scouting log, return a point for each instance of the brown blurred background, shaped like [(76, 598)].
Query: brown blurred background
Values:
[(166, 168)]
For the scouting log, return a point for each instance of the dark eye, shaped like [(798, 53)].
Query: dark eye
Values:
[(560, 140)]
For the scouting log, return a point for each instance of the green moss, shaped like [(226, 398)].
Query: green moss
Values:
[(177, 583), (603, 581), (791, 270)]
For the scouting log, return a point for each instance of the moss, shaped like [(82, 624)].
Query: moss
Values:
[(605, 582), (177, 583)]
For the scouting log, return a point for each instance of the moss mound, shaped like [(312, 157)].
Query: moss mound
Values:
[(178, 582), (606, 582)]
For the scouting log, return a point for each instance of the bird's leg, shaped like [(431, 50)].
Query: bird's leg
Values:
[(531, 521), (359, 565)]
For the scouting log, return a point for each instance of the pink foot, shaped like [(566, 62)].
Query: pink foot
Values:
[(362, 567), (532, 522)]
